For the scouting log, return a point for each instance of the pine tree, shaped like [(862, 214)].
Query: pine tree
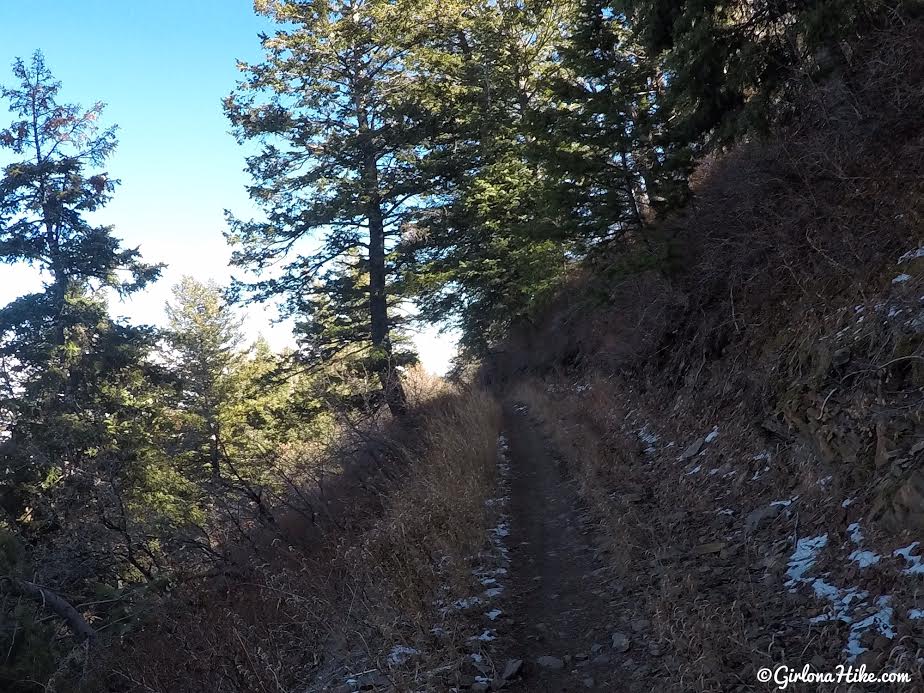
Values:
[(486, 251), (725, 64), (597, 130), (203, 335), (342, 135), (71, 366), (79, 401)]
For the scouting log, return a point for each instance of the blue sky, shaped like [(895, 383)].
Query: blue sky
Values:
[(163, 68)]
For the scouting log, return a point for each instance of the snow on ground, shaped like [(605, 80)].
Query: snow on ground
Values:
[(915, 567), (846, 604), (649, 438), (400, 654), (493, 565), (803, 558)]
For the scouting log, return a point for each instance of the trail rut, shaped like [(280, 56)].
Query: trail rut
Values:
[(562, 599)]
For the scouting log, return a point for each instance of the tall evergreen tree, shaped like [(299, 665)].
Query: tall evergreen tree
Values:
[(203, 335), (486, 250), (598, 128), (70, 362), (76, 400), (342, 142), (726, 63)]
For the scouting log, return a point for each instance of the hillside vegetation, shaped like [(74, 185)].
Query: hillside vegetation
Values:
[(682, 244)]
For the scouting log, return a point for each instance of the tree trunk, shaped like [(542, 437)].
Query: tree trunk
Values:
[(53, 602), (395, 396), (378, 308), (214, 452)]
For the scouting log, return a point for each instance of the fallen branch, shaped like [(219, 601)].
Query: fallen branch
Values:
[(51, 601)]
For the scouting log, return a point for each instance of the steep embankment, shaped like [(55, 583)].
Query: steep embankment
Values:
[(745, 425)]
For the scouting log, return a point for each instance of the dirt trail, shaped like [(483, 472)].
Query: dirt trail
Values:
[(560, 603)]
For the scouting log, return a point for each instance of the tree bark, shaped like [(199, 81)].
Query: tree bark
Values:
[(53, 602), (395, 397)]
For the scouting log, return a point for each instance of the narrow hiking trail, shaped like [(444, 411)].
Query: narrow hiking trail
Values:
[(565, 621)]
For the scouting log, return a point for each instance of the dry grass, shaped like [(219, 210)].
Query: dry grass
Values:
[(579, 426), (321, 600), (435, 521)]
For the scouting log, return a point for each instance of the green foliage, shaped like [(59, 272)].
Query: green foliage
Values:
[(726, 64), (203, 336), (341, 135)]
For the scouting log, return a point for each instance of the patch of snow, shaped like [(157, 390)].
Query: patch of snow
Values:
[(912, 255), (881, 621), (840, 600), (713, 434), (466, 603), (695, 469), (400, 654), (803, 558), (785, 503), (865, 558), (823, 590), (844, 603), (648, 438), (486, 636), (824, 482), (856, 534), (901, 279), (847, 502), (725, 511), (916, 614), (493, 592), (759, 474), (765, 455), (915, 567), (502, 530), (493, 614)]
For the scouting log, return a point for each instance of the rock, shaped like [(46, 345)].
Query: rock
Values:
[(548, 662), (480, 687), (694, 449), (601, 660), (841, 356), (654, 650), (581, 656), (512, 669), (714, 547), (761, 516), (595, 648), (589, 682), (640, 625), (620, 642)]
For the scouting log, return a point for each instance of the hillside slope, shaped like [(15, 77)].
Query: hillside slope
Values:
[(746, 422)]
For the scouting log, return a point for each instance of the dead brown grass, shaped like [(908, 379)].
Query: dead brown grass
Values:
[(755, 322), (301, 615)]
